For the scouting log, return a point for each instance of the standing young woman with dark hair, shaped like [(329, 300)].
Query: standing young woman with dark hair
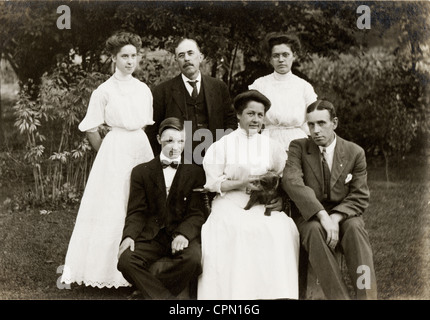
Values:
[(288, 93), (125, 105)]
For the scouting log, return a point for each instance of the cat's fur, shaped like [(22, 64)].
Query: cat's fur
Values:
[(268, 190)]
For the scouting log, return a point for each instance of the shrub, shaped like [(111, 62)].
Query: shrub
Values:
[(58, 153), (47, 117), (376, 99)]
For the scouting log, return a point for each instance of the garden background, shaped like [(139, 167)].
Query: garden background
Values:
[(377, 78)]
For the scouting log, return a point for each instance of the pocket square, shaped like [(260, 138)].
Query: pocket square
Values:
[(348, 178)]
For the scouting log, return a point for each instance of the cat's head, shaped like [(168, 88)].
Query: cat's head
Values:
[(269, 181)]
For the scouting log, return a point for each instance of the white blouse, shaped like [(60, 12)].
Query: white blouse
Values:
[(238, 155), (289, 95), (124, 104)]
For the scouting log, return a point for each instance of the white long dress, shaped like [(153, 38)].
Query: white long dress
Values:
[(245, 254), (290, 95), (125, 106)]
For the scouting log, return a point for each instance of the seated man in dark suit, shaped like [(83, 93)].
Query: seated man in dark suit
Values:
[(164, 218), (326, 178), (203, 101)]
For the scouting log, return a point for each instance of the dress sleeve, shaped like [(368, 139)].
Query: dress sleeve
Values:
[(279, 157), (214, 165), (309, 94), (95, 112), (149, 107), (255, 85)]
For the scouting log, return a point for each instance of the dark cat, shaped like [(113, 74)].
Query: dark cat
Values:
[(268, 190)]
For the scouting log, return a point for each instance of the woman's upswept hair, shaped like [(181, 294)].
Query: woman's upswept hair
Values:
[(121, 39), (242, 100), (275, 38)]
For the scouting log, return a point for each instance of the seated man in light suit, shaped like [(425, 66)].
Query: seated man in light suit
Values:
[(164, 219), (325, 176)]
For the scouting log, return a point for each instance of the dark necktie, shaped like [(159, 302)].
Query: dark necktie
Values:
[(194, 85), (326, 174), (173, 164)]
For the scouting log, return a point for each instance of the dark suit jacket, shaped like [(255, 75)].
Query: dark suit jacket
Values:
[(170, 101), (303, 179), (149, 210)]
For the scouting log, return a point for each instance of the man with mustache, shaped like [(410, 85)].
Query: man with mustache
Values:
[(192, 96)]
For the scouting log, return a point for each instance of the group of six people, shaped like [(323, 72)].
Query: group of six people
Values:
[(144, 201)]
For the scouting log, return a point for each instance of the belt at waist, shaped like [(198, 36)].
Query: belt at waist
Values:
[(119, 129), (280, 127)]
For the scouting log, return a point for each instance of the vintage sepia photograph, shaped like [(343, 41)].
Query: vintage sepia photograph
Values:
[(214, 150)]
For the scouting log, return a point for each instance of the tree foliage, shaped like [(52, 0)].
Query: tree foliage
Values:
[(377, 78), (31, 39), (375, 99)]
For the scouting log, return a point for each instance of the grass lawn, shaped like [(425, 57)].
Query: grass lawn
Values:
[(33, 245), (398, 222)]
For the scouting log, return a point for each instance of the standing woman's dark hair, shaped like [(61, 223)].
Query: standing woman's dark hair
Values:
[(276, 38), (121, 39), (288, 93)]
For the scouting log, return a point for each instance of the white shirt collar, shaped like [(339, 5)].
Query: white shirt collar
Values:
[(243, 132), (168, 172), (189, 86), (329, 152), (163, 157), (330, 148)]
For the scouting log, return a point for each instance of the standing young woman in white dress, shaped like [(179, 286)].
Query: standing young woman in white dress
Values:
[(289, 94), (124, 104), (246, 254)]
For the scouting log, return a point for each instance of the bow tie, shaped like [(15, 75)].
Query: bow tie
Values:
[(173, 164)]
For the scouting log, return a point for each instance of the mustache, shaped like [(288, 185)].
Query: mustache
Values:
[(188, 65)]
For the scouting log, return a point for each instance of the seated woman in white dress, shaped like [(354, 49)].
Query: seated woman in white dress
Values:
[(289, 94), (246, 254)]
